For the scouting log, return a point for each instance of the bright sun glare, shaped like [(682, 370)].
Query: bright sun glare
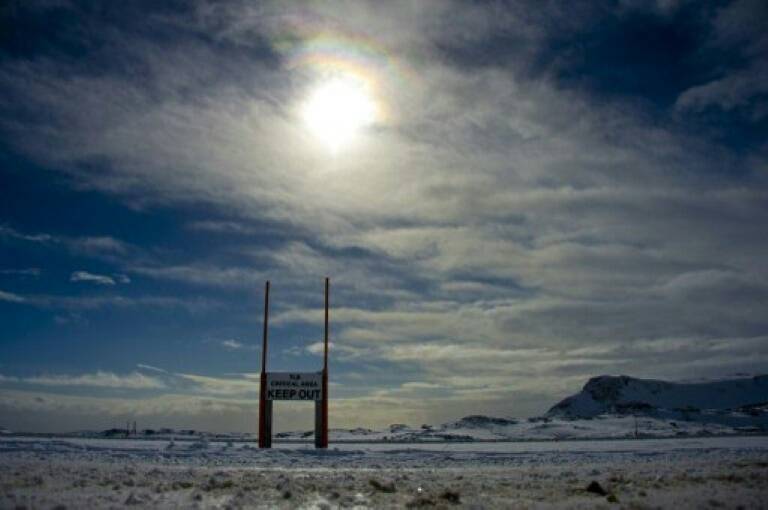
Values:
[(337, 110)]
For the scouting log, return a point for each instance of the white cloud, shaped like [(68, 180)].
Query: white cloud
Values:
[(10, 297), (81, 303), (98, 379), (94, 246), (6, 231), (318, 348), (161, 382), (336, 350), (222, 386), (85, 276), (151, 368), (234, 345)]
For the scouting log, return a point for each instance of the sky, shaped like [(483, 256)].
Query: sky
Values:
[(529, 194)]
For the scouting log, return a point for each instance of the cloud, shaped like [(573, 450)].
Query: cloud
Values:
[(222, 386), (103, 247), (336, 351), (31, 271), (738, 28), (161, 381), (99, 279), (191, 305), (55, 412), (82, 303), (84, 276), (732, 91), (151, 368), (122, 278), (318, 348), (6, 231), (234, 345), (224, 227), (96, 246), (204, 275), (10, 297), (98, 379)]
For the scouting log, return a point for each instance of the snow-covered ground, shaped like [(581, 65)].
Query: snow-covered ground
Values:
[(712, 472), (487, 428)]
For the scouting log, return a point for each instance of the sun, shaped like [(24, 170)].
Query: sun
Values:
[(337, 110)]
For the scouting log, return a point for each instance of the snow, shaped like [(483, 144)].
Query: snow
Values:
[(604, 426), (608, 407), (100, 473), (486, 428)]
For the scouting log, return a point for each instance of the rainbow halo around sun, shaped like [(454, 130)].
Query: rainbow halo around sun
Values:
[(353, 80), (337, 110)]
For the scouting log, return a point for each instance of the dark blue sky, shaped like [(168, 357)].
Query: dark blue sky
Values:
[(547, 192)]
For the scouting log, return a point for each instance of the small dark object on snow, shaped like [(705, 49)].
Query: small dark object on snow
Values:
[(420, 502), (596, 488), (451, 496), (383, 487)]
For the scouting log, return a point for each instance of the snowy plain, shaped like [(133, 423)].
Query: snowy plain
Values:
[(707, 472)]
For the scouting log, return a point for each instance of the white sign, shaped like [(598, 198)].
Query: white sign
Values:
[(294, 385)]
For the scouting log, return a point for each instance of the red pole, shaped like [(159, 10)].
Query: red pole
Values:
[(325, 336), (324, 440), (263, 379)]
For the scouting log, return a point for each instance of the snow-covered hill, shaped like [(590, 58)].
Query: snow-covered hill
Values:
[(612, 407), (744, 397)]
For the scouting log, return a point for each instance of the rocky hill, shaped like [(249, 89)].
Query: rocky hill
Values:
[(737, 401)]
